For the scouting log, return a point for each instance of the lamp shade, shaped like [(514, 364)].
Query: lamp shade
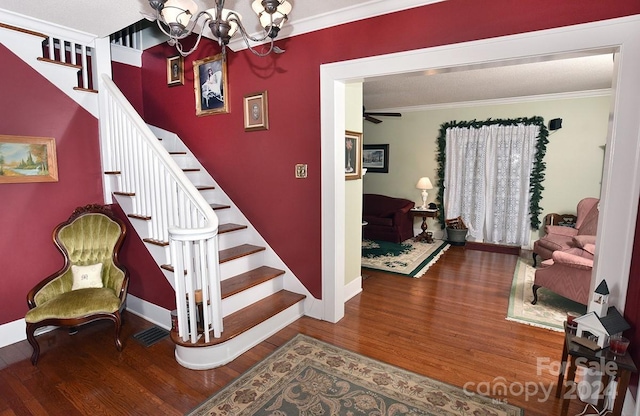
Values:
[(424, 183), (179, 11)]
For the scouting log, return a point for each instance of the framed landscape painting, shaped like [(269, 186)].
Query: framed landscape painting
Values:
[(375, 157), (27, 159)]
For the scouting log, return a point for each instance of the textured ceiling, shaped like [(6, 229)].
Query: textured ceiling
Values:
[(402, 92), (510, 81)]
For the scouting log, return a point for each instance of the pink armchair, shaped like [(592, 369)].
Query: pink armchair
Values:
[(563, 238), (567, 273)]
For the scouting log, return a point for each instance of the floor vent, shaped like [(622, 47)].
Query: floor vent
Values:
[(150, 336)]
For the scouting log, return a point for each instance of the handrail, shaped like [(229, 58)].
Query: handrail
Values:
[(178, 213)]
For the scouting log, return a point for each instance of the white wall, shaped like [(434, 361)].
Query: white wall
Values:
[(574, 155)]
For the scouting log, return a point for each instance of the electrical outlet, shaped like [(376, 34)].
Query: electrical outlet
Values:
[(301, 170)]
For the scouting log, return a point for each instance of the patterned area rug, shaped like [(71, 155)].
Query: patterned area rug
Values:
[(409, 258), (309, 377), (551, 310)]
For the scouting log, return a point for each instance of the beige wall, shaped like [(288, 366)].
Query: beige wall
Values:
[(574, 155), (353, 191)]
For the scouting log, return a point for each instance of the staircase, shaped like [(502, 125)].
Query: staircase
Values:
[(232, 290)]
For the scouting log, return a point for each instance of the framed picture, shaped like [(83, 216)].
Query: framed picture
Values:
[(256, 111), (28, 159), (175, 71), (210, 85), (375, 157), (353, 155)]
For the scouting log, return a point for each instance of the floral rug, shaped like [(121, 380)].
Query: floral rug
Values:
[(309, 377), (409, 258), (551, 310)]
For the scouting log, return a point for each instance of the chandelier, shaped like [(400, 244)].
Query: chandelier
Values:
[(178, 18)]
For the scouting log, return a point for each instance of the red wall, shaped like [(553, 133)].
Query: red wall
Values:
[(256, 169), (32, 106)]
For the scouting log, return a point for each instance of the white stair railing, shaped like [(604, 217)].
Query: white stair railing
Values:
[(178, 213)]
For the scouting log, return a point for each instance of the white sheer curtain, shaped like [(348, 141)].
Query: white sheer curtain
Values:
[(486, 180)]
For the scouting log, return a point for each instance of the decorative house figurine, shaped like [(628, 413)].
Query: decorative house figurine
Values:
[(600, 302), (602, 321)]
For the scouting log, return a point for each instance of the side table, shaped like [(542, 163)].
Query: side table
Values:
[(424, 213), (618, 366)]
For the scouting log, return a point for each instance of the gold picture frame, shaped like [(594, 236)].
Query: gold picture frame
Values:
[(175, 71), (256, 111), (353, 155), (210, 85), (25, 159)]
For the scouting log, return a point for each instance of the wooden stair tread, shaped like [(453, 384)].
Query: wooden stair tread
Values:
[(223, 255), (204, 187), (91, 90), (247, 318), (238, 251), (53, 61), (246, 280), (140, 217), (219, 206), (156, 242), (227, 228)]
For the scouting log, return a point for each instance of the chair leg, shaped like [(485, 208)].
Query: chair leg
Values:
[(535, 294), (118, 325), (31, 328), (535, 258)]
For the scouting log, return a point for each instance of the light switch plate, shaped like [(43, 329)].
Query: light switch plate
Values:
[(301, 170)]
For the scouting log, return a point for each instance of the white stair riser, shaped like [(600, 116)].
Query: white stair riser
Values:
[(234, 267), (204, 358), (234, 238), (247, 297)]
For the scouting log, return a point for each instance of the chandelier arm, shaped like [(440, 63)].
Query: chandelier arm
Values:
[(181, 51), (234, 17)]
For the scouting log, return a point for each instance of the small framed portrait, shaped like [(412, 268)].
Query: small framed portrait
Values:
[(375, 157), (28, 159), (175, 71), (353, 155), (256, 111), (210, 85)]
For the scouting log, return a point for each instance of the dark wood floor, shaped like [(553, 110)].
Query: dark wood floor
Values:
[(449, 325)]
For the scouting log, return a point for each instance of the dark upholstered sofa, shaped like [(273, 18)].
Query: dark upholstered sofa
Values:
[(388, 218)]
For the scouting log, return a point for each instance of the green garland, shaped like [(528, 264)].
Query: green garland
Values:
[(537, 173)]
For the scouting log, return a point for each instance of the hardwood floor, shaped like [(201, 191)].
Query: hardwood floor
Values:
[(448, 325)]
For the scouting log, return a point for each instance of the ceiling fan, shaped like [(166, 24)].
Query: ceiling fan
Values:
[(369, 116)]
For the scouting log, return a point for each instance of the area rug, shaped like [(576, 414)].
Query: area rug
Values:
[(409, 258), (309, 377), (551, 310)]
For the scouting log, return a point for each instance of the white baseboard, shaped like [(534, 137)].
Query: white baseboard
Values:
[(149, 311), (13, 332), (352, 288)]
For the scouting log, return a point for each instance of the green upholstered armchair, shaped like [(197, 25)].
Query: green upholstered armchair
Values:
[(92, 284)]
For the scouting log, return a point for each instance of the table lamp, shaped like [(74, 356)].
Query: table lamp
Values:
[(424, 183)]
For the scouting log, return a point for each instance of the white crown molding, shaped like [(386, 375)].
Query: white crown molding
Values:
[(500, 101), (337, 17)]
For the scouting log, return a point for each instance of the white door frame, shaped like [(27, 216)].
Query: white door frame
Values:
[(621, 178)]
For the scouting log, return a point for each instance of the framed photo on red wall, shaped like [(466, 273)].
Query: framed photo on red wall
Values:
[(256, 111), (175, 71), (210, 85)]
